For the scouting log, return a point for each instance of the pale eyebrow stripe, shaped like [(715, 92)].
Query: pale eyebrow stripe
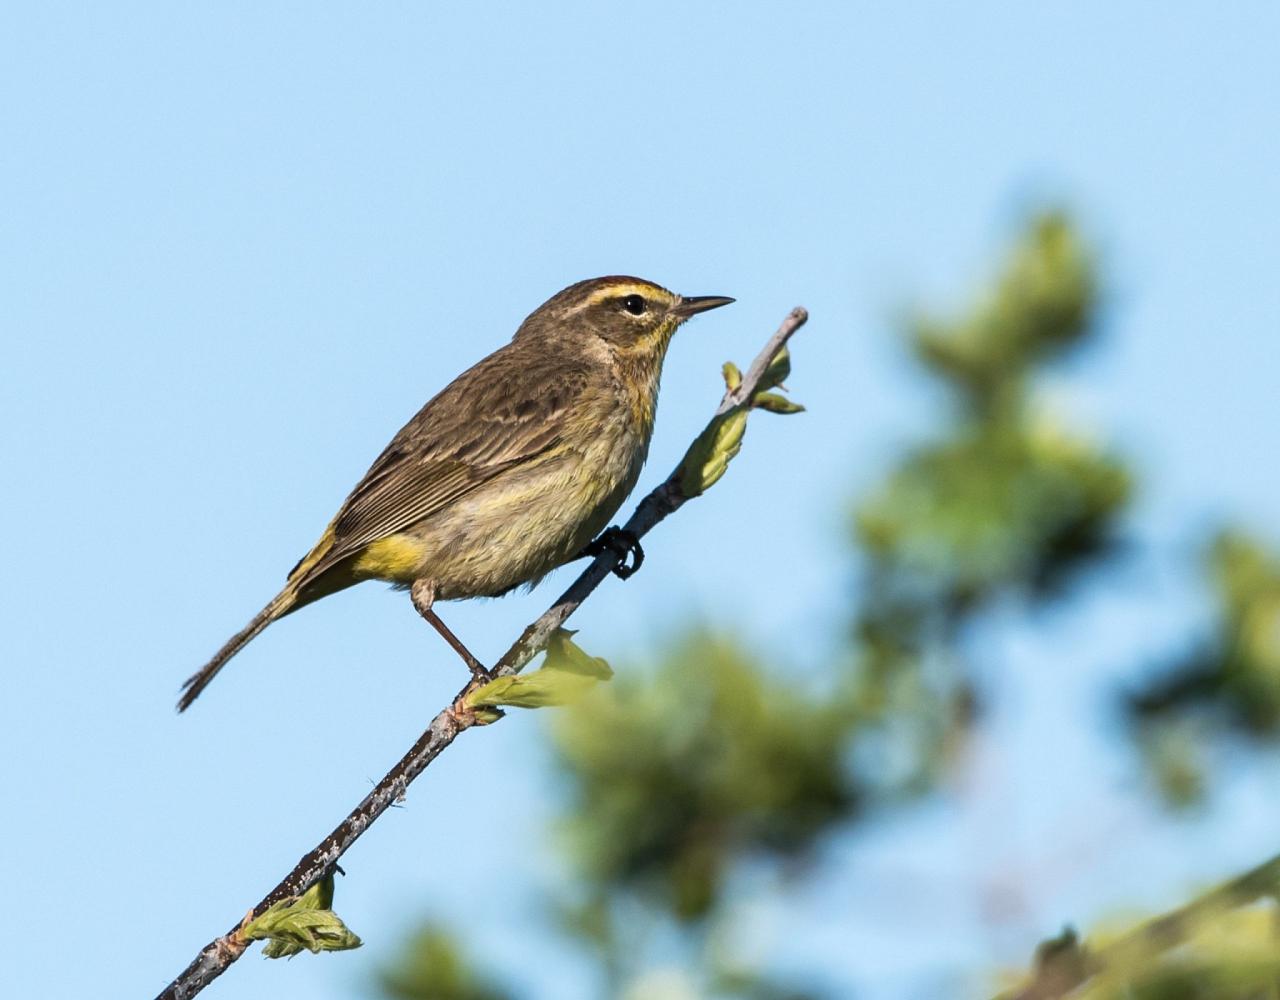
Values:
[(618, 291)]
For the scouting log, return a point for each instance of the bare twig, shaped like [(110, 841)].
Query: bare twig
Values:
[(457, 717)]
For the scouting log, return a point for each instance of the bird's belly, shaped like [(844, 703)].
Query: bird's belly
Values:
[(520, 526)]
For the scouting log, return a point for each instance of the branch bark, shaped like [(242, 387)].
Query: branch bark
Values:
[(218, 955)]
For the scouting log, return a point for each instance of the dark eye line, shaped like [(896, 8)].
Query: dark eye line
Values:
[(635, 305)]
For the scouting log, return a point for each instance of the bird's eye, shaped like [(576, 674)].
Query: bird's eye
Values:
[(635, 305)]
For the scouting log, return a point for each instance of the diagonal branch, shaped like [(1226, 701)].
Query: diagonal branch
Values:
[(217, 956), (1064, 965)]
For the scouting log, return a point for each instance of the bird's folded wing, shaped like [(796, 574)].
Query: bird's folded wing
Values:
[(462, 439)]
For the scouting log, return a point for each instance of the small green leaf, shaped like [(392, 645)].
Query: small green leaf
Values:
[(709, 456), (314, 930), (732, 377), (565, 654), (779, 368), (566, 675), (486, 715), (305, 921), (775, 402)]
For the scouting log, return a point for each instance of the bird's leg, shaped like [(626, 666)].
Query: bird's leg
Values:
[(622, 544), (423, 596)]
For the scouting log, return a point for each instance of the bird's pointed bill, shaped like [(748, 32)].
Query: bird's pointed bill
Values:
[(693, 305)]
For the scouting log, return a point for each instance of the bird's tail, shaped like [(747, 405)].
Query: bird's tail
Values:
[(281, 605)]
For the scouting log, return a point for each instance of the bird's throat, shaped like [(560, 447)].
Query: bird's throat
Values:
[(639, 369)]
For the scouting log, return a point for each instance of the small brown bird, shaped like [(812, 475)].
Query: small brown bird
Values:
[(510, 471)]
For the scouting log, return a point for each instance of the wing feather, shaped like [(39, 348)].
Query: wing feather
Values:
[(502, 414)]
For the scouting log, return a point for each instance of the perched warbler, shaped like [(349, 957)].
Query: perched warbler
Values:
[(512, 470)]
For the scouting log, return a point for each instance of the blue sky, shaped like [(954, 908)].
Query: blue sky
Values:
[(242, 244)]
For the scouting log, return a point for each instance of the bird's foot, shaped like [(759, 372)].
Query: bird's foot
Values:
[(624, 545)]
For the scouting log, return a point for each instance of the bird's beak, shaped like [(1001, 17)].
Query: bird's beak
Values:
[(687, 307)]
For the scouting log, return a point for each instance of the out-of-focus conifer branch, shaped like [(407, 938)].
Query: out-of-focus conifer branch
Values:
[(1065, 964)]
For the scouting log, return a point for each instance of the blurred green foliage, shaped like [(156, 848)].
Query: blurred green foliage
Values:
[(1042, 303), (1229, 683), (1233, 956), (432, 967), (1223, 945), (1003, 502), (717, 762), (1003, 499), (677, 774)]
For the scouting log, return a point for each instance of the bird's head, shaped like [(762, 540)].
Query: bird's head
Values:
[(632, 316)]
